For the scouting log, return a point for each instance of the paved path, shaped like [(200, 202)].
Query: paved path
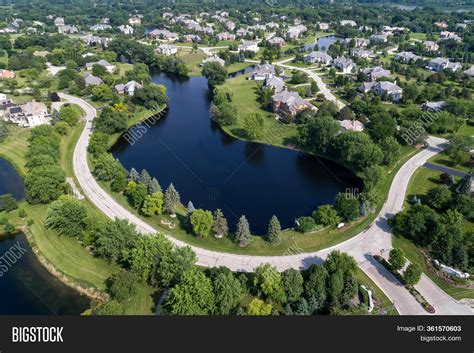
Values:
[(442, 169), (372, 241)]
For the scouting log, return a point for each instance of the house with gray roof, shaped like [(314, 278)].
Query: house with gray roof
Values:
[(287, 104), (275, 83), (262, 72), (440, 64), (383, 88), (361, 53), (318, 57), (92, 80), (344, 65), (376, 72), (407, 57), (128, 88)]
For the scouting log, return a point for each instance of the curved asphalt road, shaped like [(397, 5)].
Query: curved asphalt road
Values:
[(375, 240)]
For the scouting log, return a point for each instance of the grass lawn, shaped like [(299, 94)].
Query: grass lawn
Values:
[(15, 146), (442, 159), (192, 59), (422, 181), (245, 98), (377, 294)]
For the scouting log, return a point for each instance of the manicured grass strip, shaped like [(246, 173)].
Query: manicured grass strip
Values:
[(15, 147)]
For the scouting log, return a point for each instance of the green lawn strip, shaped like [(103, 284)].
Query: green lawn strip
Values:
[(143, 301), (15, 147), (68, 144), (442, 160), (377, 294)]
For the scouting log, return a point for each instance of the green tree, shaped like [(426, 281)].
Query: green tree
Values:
[(136, 194), (317, 134), (258, 307), (305, 224), (315, 286), (174, 263), (220, 227), (253, 125), (171, 200), (193, 295), (224, 113), (274, 231), (122, 286), (67, 216), (227, 292), (69, 114), (201, 221), (268, 282), (45, 183), (327, 215), (396, 259), (114, 240), (412, 274), (8, 203), (111, 121), (102, 92), (151, 96), (439, 197), (242, 233), (347, 207), (144, 256), (391, 150), (292, 281), (215, 73), (152, 204)]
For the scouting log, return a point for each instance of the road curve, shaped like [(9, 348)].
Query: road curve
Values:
[(375, 240)]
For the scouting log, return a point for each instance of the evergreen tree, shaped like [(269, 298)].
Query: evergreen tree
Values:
[(172, 199), (55, 117), (189, 209), (221, 229), (242, 234), (134, 176), (154, 186), (145, 178), (274, 231)]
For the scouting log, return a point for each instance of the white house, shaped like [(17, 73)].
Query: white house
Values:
[(318, 57), (262, 72), (126, 30), (351, 125), (128, 88), (383, 88), (440, 64), (213, 59), (166, 49), (249, 46), (30, 114)]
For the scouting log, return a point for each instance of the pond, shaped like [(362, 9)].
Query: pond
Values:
[(27, 288), (323, 42), (10, 181), (215, 170)]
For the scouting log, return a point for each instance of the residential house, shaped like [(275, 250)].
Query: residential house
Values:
[(430, 46), (59, 21), (433, 106), (376, 72), (213, 59), (100, 27), (135, 20), (361, 53), (275, 83), (351, 125), (348, 23), (108, 66), (318, 57), (446, 35), (96, 40), (262, 72), (249, 46), (92, 80), (66, 29), (358, 42), (469, 72), (225, 36), (441, 24), (191, 38), (40, 53), (296, 31), (242, 32), (440, 64), (5, 102), (288, 104), (163, 34), (128, 88), (126, 30), (277, 41), (6, 74), (407, 57), (323, 26), (383, 88), (166, 49), (230, 25), (344, 65), (379, 38), (30, 114)]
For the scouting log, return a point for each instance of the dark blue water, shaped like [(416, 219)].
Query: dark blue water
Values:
[(27, 288), (215, 170), (10, 181)]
